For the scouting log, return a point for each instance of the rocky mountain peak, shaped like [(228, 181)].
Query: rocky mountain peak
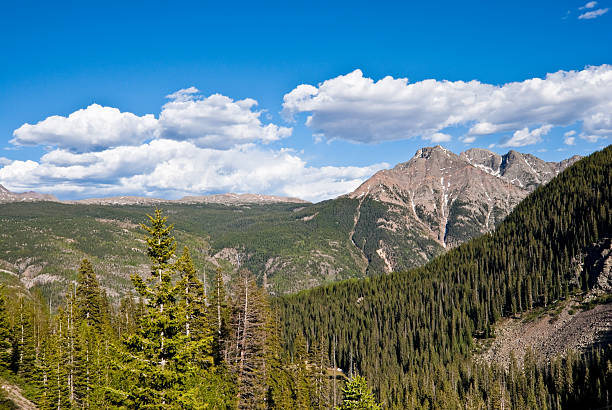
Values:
[(451, 198), (433, 152), (523, 170), (489, 161)]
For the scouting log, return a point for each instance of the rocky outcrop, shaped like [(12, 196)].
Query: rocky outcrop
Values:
[(599, 265), (523, 170), (550, 335)]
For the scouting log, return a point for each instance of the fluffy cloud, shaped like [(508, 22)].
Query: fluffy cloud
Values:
[(357, 108), (523, 137), (216, 121), (568, 138), (169, 168), (197, 145), (213, 122), (91, 128), (593, 14)]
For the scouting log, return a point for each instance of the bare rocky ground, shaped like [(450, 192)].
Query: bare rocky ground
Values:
[(14, 394), (561, 328), (550, 335)]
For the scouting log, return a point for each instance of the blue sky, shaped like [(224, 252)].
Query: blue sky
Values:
[(296, 60)]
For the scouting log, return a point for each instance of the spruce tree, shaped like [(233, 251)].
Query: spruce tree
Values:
[(220, 313), (280, 386), (357, 395), (193, 312), (154, 353), (88, 296), (6, 343), (24, 344)]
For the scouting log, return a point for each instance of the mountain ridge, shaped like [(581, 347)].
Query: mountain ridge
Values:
[(8, 196), (408, 215), (541, 258), (451, 197), (228, 198)]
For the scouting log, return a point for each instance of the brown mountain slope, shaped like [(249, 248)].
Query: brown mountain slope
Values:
[(447, 198)]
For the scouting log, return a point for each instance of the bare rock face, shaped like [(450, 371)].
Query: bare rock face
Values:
[(8, 196), (597, 264), (523, 170), (452, 198)]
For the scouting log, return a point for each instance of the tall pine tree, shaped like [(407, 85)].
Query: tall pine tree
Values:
[(154, 353), (6, 343)]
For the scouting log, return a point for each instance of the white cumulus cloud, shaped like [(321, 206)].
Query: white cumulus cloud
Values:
[(5, 161), (523, 137), (356, 108), (568, 137), (198, 145), (92, 128), (216, 121), (169, 168)]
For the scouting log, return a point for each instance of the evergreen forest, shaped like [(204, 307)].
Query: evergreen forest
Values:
[(180, 340)]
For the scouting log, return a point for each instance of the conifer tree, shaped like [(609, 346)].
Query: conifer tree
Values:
[(321, 383), (248, 344), (24, 350), (154, 352), (280, 386), (193, 312), (6, 344), (301, 374), (88, 296), (220, 314), (357, 395), (59, 394)]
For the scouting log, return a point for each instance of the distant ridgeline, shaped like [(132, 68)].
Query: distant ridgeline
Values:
[(411, 334)]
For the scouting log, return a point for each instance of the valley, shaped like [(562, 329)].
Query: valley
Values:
[(396, 220)]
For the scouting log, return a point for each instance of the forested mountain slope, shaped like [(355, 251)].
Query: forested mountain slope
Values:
[(400, 218), (408, 332), (42, 243)]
